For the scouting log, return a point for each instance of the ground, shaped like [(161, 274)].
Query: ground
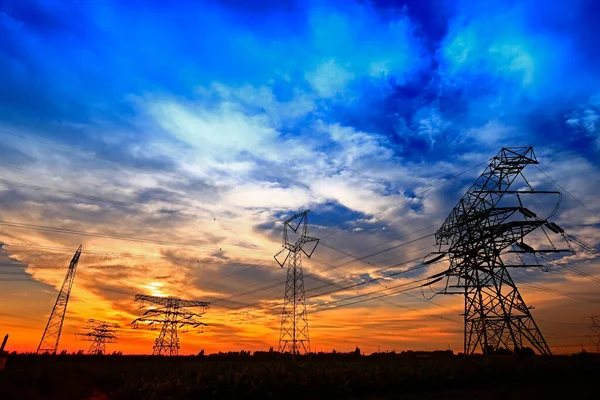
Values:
[(139, 377)]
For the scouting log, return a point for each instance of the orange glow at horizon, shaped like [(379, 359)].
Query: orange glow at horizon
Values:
[(387, 325)]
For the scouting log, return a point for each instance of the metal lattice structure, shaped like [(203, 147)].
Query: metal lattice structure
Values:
[(172, 313), (99, 333), (595, 334), (477, 235), (293, 334), (51, 336)]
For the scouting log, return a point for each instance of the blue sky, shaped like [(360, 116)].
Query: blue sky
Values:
[(420, 76), (247, 111)]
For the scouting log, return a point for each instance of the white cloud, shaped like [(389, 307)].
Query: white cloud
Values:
[(492, 132), (519, 61), (262, 100), (222, 133), (357, 145), (429, 123), (586, 120), (269, 195), (354, 193), (329, 79)]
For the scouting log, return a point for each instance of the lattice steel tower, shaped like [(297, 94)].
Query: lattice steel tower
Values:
[(477, 235), (99, 333), (51, 336), (293, 335), (595, 334), (171, 313)]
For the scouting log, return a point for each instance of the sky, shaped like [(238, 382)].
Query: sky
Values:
[(171, 139)]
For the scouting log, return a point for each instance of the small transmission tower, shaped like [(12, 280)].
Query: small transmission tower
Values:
[(171, 313), (51, 336), (477, 232), (595, 335), (99, 333), (293, 335)]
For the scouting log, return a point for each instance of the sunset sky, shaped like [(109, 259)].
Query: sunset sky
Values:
[(172, 138)]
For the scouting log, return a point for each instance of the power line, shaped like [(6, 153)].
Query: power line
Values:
[(421, 266), (406, 199), (124, 203), (124, 255), (555, 291), (373, 292), (369, 299), (569, 193), (34, 187), (572, 269), (377, 245), (383, 269), (228, 299), (53, 176), (325, 307), (537, 286), (585, 246), (359, 284), (185, 214), (562, 322), (80, 153), (534, 286), (378, 252), (331, 267), (116, 237), (309, 276), (402, 291), (102, 253), (63, 192)]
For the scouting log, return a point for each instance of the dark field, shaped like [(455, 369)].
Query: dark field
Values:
[(138, 377)]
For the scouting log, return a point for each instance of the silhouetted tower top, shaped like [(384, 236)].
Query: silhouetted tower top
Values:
[(99, 333), (51, 335), (173, 314)]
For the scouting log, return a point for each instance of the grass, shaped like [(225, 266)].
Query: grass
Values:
[(144, 377)]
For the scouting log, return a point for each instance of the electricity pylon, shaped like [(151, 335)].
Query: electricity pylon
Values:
[(99, 333), (478, 233), (293, 335), (595, 335), (171, 313), (51, 336)]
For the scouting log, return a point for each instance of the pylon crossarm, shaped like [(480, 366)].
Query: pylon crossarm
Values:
[(174, 313), (282, 260), (99, 333)]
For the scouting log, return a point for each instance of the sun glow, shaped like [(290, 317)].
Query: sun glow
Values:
[(155, 289)]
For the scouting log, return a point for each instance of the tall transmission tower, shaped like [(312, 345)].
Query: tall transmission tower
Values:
[(51, 336), (99, 333), (477, 234), (293, 335), (172, 313)]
